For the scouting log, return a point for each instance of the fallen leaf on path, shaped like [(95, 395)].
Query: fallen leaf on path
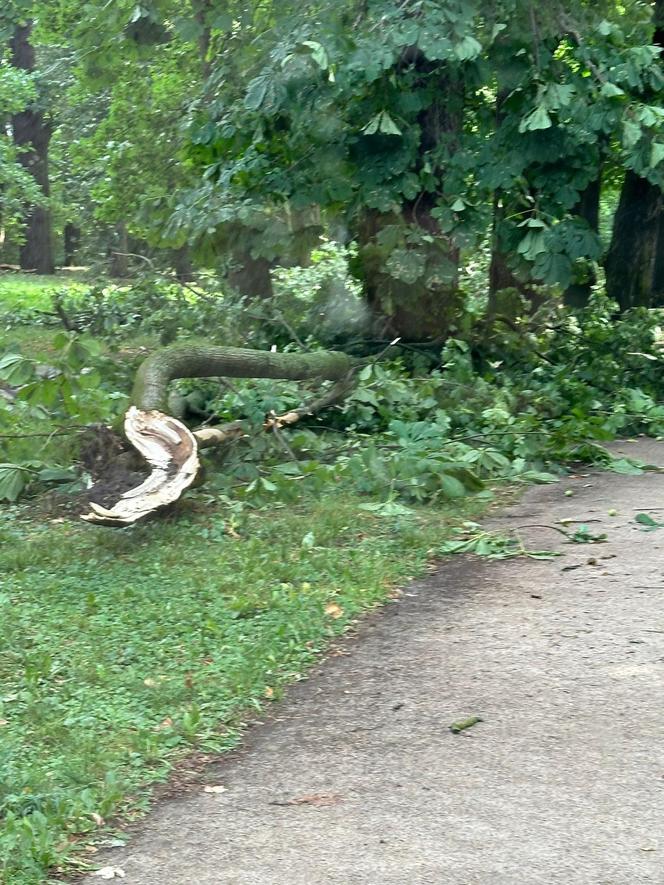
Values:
[(463, 724), (647, 522), (110, 873), (214, 789)]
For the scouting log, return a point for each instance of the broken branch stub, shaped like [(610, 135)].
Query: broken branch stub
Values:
[(171, 451), (170, 448)]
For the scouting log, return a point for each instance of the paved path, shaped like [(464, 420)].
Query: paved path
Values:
[(563, 781)]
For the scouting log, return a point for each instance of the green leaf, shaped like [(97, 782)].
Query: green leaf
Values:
[(610, 90), (656, 153), (407, 265), (16, 370), (57, 474), (648, 522), (468, 48), (624, 466), (387, 125), (451, 486), (13, 479), (318, 53), (537, 119), (256, 93), (532, 245), (631, 133), (387, 508), (187, 28), (372, 126), (221, 21)]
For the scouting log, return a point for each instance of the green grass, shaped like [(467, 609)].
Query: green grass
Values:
[(121, 650), (24, 291), (22, 297)]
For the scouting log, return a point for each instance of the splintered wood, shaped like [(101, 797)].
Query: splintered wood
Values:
[(170, 449)]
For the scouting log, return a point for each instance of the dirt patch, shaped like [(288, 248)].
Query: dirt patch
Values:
[(114, 468)]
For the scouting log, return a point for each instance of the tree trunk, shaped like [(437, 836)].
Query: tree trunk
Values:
[(587, 208), (32, 134), (630, 263), (72, 238), (632, 258), (206, 361), (422, 309), (201, 10), (419, 311), (119, 259), (181, 259), (658, 275), (501, 275), (251, 276)]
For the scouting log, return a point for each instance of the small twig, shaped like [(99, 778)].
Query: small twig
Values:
[(284, 443), (536, 37), (381, 354), (58, 432), (571, 30)]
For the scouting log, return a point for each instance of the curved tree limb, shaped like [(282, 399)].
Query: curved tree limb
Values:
[(171, 449), (205, 361)]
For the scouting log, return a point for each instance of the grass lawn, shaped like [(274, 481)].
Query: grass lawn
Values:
[(23, 295), (28, 291), (121, 650)]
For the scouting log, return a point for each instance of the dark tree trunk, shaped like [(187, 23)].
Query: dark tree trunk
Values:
[(201, 10), (631, 261), (181, 259), (501, 275), (424, 309), (587, 208), (119, 258), (658, 276), (72, 238), (418, 311), (32, 134), (250, 276)]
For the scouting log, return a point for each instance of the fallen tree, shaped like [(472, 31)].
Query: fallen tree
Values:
[(166, 443)]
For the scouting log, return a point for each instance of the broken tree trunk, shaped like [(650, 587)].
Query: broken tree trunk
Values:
[(170, 448)]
